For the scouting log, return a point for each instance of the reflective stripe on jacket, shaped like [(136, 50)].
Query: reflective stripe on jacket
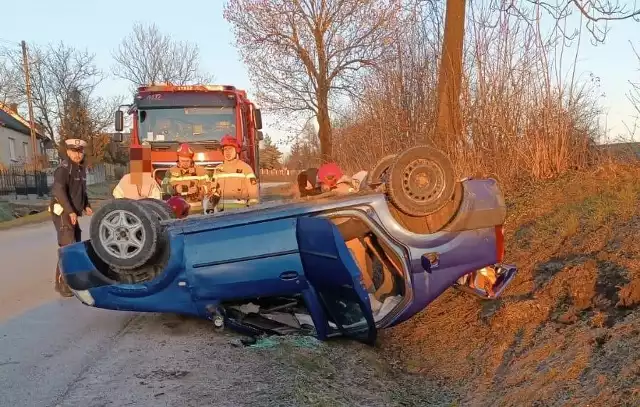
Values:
[(237, 184), (175, 177)]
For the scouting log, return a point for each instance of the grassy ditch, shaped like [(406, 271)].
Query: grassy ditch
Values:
[(567, 332)]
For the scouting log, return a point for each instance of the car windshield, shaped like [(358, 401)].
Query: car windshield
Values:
[(186, 124)]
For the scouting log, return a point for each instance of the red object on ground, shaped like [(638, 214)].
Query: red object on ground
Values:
[(329, 174), (179, 206)]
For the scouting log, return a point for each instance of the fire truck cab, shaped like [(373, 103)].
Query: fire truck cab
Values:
[(164, 116)]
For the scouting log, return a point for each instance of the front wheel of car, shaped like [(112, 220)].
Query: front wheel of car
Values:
[(125, 234), (380, 172), (420, 181)]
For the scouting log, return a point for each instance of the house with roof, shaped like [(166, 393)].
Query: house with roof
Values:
[(15, 137)]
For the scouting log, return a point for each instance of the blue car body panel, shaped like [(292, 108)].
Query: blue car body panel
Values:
[(281, 249), (231, 264)]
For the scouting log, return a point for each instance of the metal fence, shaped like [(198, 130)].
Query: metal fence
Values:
[(23, 181), (279, 172)]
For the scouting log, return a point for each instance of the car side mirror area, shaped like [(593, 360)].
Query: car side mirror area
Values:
[(119, 121), (257, 116), (260, 135)]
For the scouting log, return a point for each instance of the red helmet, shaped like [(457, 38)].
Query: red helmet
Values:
[(329, 174), (185, 151), (229, 140), (179, 206)]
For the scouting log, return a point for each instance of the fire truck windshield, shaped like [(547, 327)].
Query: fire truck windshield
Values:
[(186, 124)]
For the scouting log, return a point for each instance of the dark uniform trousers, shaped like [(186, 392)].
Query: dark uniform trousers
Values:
[(67, 234)]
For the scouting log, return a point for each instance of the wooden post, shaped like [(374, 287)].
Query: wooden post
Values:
[(27, 79)]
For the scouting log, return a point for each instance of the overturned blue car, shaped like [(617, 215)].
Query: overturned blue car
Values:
[(331, 266)]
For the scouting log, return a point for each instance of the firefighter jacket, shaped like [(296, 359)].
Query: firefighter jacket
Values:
[(127, 189), (177, 181), (236, 185)]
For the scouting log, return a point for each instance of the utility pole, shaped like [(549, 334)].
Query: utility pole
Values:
[(27, 79)]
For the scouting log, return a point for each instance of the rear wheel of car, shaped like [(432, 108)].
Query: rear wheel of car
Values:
[(420, 181), (378, 175), (125, 233), (159, 207)]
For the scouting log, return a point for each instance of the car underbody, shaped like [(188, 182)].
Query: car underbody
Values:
[(332, 266)]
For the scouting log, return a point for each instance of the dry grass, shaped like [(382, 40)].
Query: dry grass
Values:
[(567, 332)]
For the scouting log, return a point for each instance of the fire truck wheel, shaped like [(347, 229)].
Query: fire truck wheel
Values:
[(159, 207), (420, 181), (125, 234), (379, 173)]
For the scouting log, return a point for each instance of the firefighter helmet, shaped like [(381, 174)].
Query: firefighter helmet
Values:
[(185, 151), (179, 206), (329, 174), (229, 141)]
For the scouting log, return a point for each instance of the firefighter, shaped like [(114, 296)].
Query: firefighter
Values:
[(68, 201), (186, 179), (332, 179), (307, 184), (236, 184)]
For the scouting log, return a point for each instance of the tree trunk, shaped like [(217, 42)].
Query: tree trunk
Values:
[(449, 116), (324, 127)]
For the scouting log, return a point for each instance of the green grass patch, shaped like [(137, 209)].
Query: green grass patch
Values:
[(25, 220)]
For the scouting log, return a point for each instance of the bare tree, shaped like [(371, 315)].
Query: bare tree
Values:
[(596, 12), (147, 56), (9, 78), (58, 71), (302, 53), (634, 94), (523, 116)]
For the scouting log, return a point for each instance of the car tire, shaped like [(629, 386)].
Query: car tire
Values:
[(112, 236), (153, 268), (164, 212), (421, 180), (159, 207), (379, 173)]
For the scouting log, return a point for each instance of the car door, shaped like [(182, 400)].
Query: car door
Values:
[(332, 272)]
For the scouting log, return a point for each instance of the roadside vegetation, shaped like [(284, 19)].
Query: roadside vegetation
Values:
[(568, 328), (20, 213)]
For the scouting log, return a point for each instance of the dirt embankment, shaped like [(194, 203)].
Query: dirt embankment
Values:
[(567, 331)]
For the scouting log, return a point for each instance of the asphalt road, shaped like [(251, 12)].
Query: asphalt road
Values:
[(52, 349)]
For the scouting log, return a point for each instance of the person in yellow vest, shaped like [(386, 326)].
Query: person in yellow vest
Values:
[(236, 185), (186, 179), (139, 183)]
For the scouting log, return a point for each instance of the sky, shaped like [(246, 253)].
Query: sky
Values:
[(101, 26)]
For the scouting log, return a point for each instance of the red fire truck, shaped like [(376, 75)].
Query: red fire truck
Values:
[(164, 116)]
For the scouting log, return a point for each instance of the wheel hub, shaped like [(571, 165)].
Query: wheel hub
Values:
[(122, 234), (422, 180)]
